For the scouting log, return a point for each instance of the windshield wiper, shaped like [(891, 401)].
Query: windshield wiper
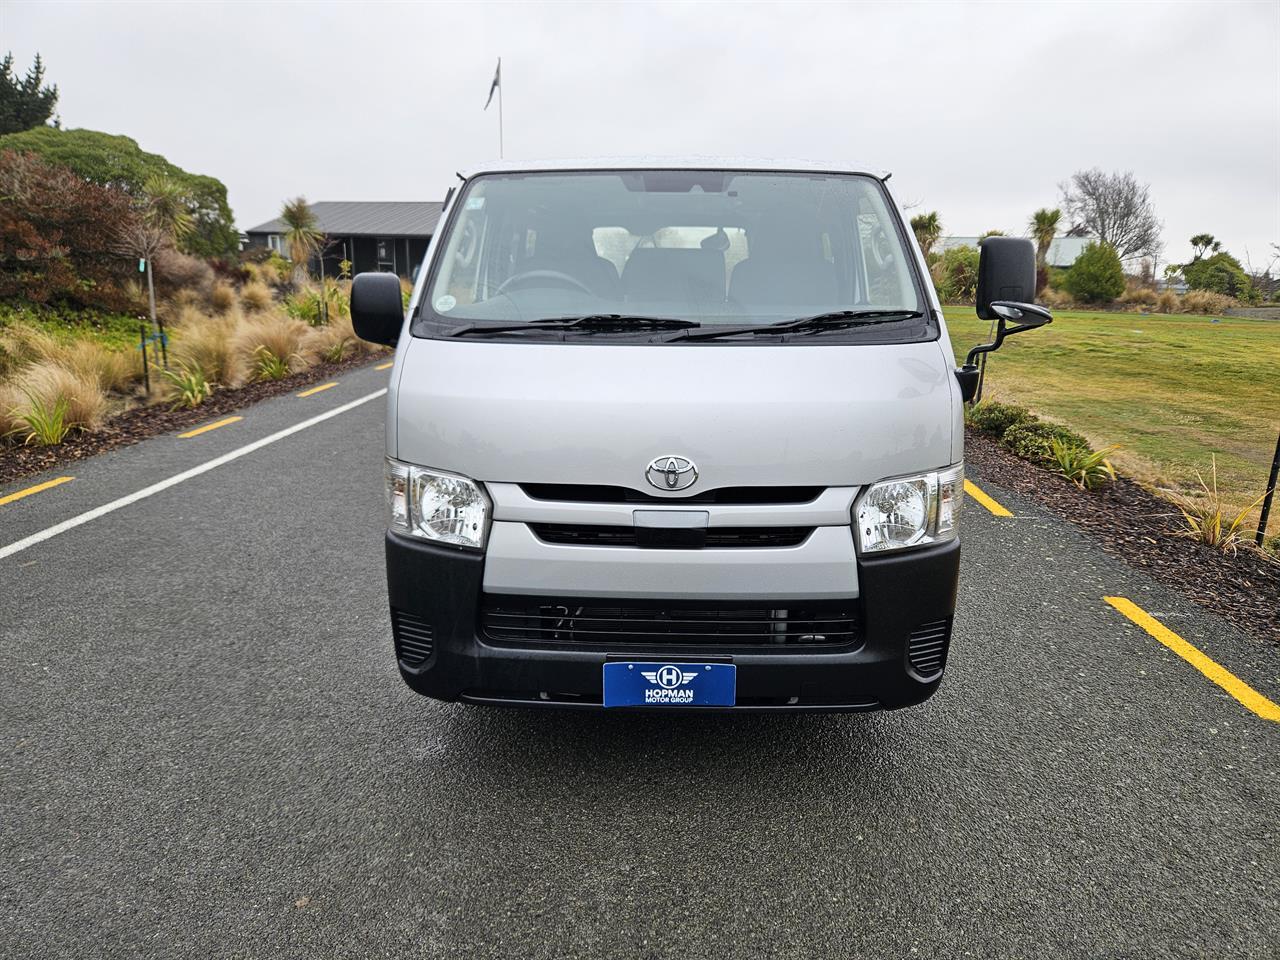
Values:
[(592, 321), (819, 321)]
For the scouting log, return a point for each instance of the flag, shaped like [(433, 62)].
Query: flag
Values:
[(497, 82)]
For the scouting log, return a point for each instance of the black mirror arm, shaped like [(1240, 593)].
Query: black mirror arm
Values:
[(968, 375)]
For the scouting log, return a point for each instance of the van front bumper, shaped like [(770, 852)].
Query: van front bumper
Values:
[(906, 605)]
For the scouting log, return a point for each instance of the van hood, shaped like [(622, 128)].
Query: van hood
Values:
[(830, 415)]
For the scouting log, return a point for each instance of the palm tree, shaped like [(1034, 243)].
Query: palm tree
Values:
[(301, 237), (167, 208), (1044, 227), (927, 228)]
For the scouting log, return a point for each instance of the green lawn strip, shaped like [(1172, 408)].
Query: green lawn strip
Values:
[(1170, 390)]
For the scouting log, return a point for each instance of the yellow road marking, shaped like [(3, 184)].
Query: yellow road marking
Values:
[(207, 427), (323, 386), (384, 366), (57, 481), (1220, 675), (974, 491)]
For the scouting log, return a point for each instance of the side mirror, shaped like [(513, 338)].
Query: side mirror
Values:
[(377, 312), (1006, 271), (1006, 289)]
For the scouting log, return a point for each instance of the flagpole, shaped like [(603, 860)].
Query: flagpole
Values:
[(499, 108)]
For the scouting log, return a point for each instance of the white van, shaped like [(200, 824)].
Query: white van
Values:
[(677, 434)]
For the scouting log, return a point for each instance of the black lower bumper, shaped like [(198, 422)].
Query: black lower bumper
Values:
[(907, 602)]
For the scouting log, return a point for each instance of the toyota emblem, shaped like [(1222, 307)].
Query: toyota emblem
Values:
[(671, 473)]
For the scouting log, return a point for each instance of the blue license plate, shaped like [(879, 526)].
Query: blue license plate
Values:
[(660, 684)]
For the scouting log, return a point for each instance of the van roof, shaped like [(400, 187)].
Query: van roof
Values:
[(674, 163)]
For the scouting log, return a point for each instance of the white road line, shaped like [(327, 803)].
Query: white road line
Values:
[(178, 478)]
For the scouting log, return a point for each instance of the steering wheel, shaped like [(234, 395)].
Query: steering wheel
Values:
[(541, 278), (881, 249)]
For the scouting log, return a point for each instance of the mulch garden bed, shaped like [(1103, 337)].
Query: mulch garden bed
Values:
[(1142, 529), (17, 461)]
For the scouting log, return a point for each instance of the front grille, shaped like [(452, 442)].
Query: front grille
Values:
[(927, 647), (586, 535), (606, 623), (599, 493), (412, 637)]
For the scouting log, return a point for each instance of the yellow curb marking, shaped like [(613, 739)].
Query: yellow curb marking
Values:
[(323, 386), (384, 366), (1220, 675), (996, 509), (207, 427), (36, 489)]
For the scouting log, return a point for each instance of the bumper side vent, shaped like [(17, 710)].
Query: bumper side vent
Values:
[(412, 637), (927, 647)]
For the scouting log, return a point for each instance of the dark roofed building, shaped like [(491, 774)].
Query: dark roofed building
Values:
[(389, 237)]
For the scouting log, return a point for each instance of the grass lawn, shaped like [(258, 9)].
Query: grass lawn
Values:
[(1169, 390)]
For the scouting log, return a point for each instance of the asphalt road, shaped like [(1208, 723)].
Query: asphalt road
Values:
[(206, 752)]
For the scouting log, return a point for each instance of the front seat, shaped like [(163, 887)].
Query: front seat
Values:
[(574, 255), (674, 274), (783, 273)]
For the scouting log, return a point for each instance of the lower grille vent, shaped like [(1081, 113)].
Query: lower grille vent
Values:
[(586, 535), (412, 637), (608, 623), (927, 647)]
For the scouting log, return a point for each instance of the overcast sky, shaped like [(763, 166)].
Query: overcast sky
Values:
[(979, 110)]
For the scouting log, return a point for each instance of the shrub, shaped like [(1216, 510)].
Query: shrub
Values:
[(1206, 516), (188, 384), (1168, 302), (59, 235), (1084, 467), (118, 163), (956, 275), (306, 304), (1220, 273), (175, 271), (1206, 302), (1096, 276), (256, 296), (1033, 439), (991, 416), (222, 297)]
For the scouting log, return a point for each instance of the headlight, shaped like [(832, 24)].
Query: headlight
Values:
[(431, 505), (909, 511)]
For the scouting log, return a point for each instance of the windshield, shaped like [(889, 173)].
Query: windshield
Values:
[(705, 247)]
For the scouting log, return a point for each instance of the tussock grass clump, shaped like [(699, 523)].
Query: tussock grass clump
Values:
[(209, 345), (1206, 302), (256, 296), (46, 387), (1054, 298), (22, 345), (1139, 296), (283, 338), (222, 297), (1167, 302)]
